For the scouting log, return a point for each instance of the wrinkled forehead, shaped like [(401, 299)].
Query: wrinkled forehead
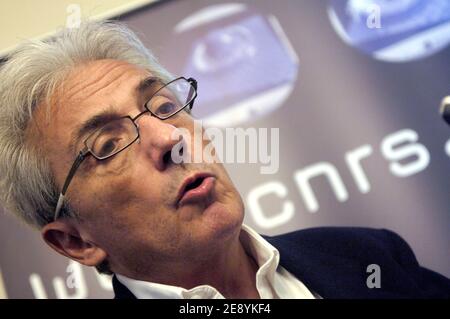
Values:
[(98, 84), (89, 89)]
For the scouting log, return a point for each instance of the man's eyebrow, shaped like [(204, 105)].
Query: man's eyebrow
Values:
[(147, 83), (110, 114), (92, 124)]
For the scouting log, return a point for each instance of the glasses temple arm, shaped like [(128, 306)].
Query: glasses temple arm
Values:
[(193, 82), (81, 156)]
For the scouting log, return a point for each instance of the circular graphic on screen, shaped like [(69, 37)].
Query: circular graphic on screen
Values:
[(393, 31), (242, 60)]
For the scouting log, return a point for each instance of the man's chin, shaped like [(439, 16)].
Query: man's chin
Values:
[(194, 210), (212, 219), (221, 221)]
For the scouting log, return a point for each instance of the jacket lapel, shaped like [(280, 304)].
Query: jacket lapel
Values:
[(120, 291)]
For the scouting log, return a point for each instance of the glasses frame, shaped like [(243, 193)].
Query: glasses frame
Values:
[(86, 151)]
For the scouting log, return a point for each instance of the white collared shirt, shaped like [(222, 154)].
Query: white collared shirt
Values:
[(272, 280)]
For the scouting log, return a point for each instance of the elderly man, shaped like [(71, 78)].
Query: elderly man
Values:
[(87, 120)]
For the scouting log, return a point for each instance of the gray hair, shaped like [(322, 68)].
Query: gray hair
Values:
[(30, 75)]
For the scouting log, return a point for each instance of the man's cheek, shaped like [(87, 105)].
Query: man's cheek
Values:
[(117, 165)]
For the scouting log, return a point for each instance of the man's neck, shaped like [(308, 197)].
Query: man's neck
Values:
[(230, 270)]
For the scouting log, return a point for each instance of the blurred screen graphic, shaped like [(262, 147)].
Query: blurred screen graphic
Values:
[(406, 30), (243, 59)]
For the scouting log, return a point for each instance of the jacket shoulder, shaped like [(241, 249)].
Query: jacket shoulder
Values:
[(350, 241), (344, 251)]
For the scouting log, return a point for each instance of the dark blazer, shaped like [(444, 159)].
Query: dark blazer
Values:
[(333, 261)]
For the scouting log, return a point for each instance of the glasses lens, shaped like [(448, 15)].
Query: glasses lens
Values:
[(171, 98), (112, 138)]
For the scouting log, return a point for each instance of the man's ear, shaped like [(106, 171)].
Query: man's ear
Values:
[(64, 237)]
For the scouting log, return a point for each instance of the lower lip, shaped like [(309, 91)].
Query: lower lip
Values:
[(199, 193)]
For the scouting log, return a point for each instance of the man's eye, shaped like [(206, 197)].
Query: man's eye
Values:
[(166, 108), (107, 147)]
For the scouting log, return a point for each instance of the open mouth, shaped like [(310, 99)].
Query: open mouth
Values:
[(195, 188), (194, 184)]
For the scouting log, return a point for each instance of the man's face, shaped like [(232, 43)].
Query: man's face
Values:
[(128, 204)]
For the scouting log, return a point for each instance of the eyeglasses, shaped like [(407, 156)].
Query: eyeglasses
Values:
[(117, 135)]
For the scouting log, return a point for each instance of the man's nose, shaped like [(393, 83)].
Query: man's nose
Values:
[(158, 139)]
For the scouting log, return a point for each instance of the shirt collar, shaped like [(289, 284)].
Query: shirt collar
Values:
[(265, 255)]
